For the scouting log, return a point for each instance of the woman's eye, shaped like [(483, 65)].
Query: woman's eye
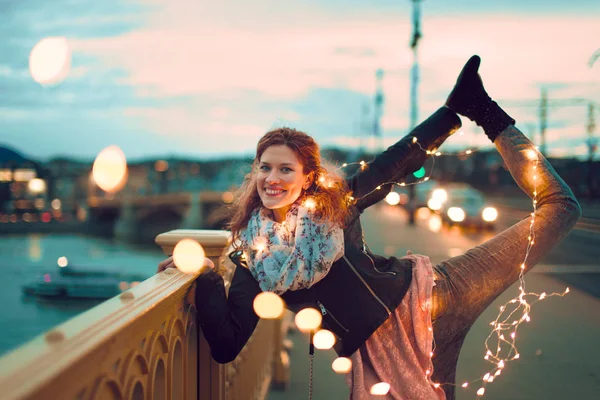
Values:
[(286, 169), (264, 168)]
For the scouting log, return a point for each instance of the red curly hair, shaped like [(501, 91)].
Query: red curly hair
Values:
[(329, 190)]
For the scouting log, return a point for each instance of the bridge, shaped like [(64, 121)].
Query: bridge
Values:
[(142, 218)]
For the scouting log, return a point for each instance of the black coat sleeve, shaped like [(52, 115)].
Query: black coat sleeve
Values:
[(227, 322), (392, 165)]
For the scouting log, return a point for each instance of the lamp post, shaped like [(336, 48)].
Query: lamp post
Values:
[(414, 83)]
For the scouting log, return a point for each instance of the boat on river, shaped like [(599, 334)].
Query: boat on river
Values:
[(82, 283)]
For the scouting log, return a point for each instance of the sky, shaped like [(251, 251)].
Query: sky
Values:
[(206, 79)]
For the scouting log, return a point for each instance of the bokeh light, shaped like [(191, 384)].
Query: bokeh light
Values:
[(50, 60), (62, 261), (308, 319), (310, 204), (380, 389), (188, 256), (456, 214), (268, 305), (227, 197), (324, 339), (342, 365), (435, 223), (110, 169), (392, 198), (36, 186), (56, 204)]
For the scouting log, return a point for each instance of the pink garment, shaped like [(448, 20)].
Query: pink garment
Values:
[(398, 352)]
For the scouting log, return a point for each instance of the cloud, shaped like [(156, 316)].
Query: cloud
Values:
[(228, 71)]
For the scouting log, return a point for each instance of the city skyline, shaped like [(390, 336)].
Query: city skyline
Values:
[(205, 80)]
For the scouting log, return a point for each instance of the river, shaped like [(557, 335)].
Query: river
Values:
[(25, 258)]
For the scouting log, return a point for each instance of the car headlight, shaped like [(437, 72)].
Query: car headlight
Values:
[(434, 204), (456, 214), (489, 214), (439, 194)]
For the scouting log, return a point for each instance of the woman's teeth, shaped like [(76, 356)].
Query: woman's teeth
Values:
[(273, 192)]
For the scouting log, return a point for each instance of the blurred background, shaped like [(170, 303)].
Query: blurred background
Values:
[(120, 120)]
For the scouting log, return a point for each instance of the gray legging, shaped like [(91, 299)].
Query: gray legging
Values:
[(467, 284)]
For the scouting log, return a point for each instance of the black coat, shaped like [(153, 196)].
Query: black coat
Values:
[(358, 294)]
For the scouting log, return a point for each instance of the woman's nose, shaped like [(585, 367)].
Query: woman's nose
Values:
[(273, 177)]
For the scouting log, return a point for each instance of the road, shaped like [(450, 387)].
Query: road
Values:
[(560, 355)]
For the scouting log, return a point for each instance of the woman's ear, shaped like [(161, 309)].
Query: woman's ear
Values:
[(309, 180)]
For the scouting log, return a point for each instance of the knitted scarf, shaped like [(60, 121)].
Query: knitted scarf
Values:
[(291, 255)]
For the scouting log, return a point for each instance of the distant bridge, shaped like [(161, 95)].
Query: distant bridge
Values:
[(141, 218)]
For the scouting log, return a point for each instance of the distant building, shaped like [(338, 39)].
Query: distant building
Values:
[(23, 184)]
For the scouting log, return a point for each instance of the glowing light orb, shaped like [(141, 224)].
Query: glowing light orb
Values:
[(380, 389), (532, 155), (227, 197), (310, 204), (434, 203), (110, 169), (50, 60), (456, 214), (268, 305), (439, 194), (308, 319), (56, 204), (62, 261), (435, 224), (489, 214), (36, 186), (342, 365), (323, 339), (392, 198), (188, 256)]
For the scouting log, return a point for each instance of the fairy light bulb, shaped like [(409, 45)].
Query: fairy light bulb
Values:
[(310, 203), (188, 256), (260, 244), (342, 365), (323, 339), (380, 389), (308, 319), (268, 305)]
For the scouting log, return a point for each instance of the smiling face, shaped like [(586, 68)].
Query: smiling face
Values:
[(280, 179)]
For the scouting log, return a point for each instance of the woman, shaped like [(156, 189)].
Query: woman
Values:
[(299, 235)]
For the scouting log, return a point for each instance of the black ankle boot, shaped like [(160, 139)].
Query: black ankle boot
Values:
[(470, 99)]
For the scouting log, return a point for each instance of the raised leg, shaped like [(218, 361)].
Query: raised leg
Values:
[(467, 284)]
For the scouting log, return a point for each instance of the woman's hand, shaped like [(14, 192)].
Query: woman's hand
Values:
[(169, 263)]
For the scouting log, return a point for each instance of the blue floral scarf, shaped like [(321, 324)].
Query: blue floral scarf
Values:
[(292, 255)]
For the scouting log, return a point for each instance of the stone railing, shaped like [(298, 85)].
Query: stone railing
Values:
[(145, 344)]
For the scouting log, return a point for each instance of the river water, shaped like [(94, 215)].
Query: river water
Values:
[(25, 258)]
